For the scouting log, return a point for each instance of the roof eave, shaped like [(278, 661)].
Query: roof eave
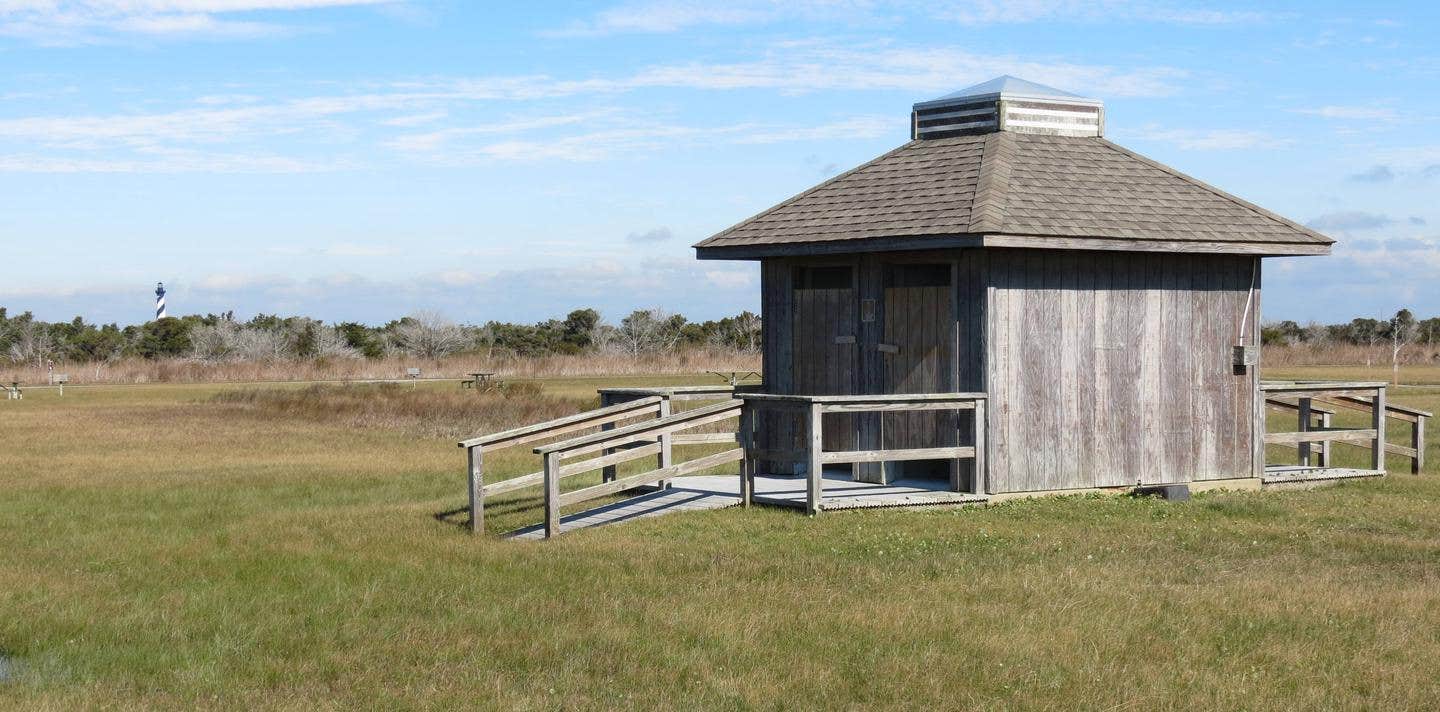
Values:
[(1006, 240)]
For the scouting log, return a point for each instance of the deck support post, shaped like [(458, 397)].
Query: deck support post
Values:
[(476, 468), (1303, 415), (552, 495), (747, 461), (1377, 419), (814, 468), (980, 479)]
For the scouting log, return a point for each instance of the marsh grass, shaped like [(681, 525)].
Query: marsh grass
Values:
[(404, 408), (158, 549)]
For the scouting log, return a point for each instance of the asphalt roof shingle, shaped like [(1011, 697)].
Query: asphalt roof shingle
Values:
[(1014, 184)]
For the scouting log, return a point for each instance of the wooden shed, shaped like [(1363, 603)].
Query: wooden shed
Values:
[(1106, 305)]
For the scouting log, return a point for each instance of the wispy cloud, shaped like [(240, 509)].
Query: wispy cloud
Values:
[(68, 22), (663, 16), (1352, 113), (1210, 139), (1351, 221), (1374, 174), (435, 120), (659, 234)]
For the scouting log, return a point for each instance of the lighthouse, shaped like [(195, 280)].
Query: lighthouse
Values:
[(159, 300)]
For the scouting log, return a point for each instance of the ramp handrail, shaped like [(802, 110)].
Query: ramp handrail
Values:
[(1310, 398), (475, 447), (652, 437)]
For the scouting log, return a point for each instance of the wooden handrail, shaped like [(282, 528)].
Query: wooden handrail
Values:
[(569, 423), (814, 408), (636, 432), (1349, 395), (475, 447), (658, 438)]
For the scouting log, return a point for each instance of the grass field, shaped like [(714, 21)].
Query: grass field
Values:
[(164, 548)]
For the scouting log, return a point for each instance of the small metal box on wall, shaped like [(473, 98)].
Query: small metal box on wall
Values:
[(1246, 355)]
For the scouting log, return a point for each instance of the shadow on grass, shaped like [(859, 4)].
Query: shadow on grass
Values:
[(460, 516)]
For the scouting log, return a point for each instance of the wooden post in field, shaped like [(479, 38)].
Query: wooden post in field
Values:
[(476, 468), (747, 461), (814, 468), (1377, 419), (1303, 415), (980, 481), (552, 495)]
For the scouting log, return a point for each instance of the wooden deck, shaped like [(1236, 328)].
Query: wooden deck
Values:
[(689, 494)]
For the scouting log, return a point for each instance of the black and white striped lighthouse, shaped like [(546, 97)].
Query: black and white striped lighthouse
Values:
[(159, 300)]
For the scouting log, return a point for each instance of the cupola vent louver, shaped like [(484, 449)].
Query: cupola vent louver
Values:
[(1008, 104)]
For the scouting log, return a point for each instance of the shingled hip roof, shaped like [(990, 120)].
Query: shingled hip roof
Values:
[(1013, 190)]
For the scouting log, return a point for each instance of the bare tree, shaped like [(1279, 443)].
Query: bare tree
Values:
[(33, 342), (215, 343), (427, 334), (647, 331), (330, 343), (1402, 332)]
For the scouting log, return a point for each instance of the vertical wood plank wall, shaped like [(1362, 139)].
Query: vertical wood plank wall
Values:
[(1112, 369)]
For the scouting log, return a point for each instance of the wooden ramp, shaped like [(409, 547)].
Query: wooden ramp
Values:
[(1302, 476), (690, 494)]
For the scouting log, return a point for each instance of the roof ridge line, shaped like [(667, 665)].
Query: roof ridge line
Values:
[(992, 186), (1216, 191), (805, 193)]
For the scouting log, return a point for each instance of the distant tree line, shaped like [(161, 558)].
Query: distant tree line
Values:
[(268, 337), (1403, 328)]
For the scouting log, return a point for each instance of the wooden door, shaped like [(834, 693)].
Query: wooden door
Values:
[(918, 352), (824, 342)]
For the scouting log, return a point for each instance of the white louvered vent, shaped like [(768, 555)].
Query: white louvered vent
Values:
[(1008, 104)]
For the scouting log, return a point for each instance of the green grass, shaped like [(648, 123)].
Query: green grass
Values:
[(161, 549)]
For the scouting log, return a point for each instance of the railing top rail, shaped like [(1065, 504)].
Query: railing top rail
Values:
[(540, 428), (888, 398), (638, 429), (664, 390), (1274, 386), (1395, 407)]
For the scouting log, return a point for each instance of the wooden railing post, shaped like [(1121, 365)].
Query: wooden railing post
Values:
[(814, 468), (1377, 419), (1417, 441), (476, 467), (552, 495), (607, 474), (666, 457), (980, 481), (747, 461), (1303, 415), (1325, 422)]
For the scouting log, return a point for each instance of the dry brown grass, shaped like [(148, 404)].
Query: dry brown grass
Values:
[(1348, 355), (404, 408), (133, 371)]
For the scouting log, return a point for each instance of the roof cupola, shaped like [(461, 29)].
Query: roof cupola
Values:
[(1008, 103)]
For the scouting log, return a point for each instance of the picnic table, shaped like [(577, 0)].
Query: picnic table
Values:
[(480, 380)]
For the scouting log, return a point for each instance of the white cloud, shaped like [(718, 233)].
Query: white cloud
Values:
[(69, 22), (664, 16), (1366, 113), (1209, 139)]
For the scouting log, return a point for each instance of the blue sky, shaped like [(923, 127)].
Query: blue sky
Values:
[(353, 159)]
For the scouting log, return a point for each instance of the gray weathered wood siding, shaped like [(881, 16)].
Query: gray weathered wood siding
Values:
[(1112, 369)]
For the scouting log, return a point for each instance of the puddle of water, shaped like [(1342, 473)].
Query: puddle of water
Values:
[(6, 668)]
